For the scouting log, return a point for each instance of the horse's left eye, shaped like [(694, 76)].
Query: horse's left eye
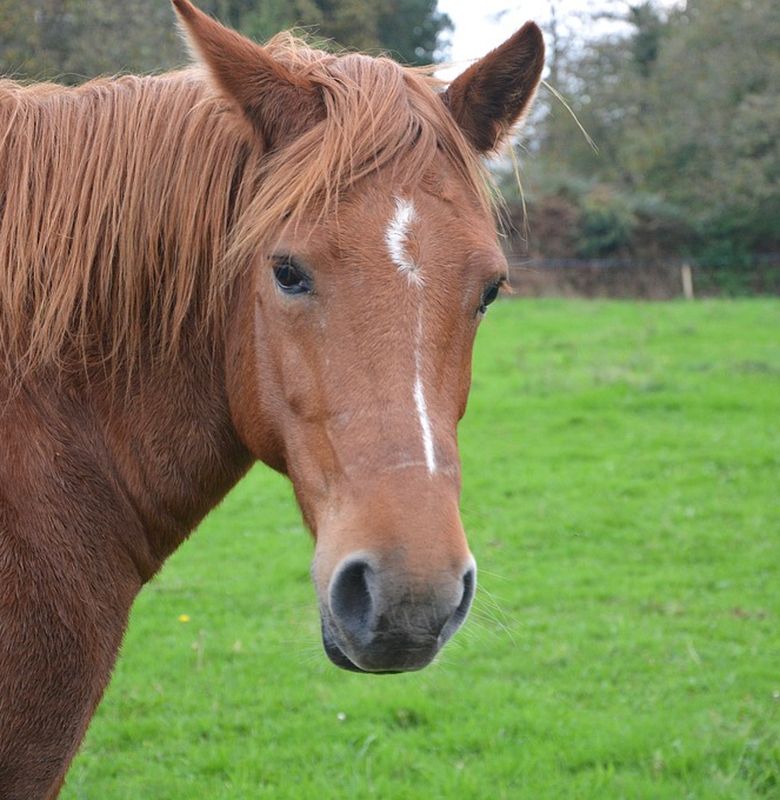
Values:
[(491, 293), (290, 278)]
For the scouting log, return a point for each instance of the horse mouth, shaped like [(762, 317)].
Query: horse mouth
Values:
[(402, 663), (338, 657)]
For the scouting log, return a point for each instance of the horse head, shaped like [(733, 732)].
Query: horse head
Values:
[(351, 332)]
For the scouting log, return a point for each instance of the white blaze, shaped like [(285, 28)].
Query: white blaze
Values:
[(422, 413), (396, 238)]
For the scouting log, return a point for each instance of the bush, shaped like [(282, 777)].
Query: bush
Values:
[(607, 224)]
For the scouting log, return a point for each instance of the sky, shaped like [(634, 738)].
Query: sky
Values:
[(481, 25), (478, 28)]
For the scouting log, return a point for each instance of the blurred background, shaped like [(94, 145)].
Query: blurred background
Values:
[(681, 101)]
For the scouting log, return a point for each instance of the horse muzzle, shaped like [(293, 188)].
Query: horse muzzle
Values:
[(379, 619)]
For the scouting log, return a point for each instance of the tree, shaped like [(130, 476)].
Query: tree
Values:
[(718, 112), (73, 39), (70, 40), (685, 109), (412, 30)]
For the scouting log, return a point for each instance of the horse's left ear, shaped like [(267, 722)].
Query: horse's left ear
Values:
[(278, 103), (493, 94)]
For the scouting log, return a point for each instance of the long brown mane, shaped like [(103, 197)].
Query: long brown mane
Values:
[(128, 207)]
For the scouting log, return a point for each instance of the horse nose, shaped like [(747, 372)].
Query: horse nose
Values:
[(351, 597), (383, 622), (458, 616)]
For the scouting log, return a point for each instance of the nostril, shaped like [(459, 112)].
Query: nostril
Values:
[(461, 612), (350, 596), (469, 584)]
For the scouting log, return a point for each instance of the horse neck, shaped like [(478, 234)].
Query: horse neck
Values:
[(172, 445)]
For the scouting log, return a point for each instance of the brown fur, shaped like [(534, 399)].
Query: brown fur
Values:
[(147, 356)]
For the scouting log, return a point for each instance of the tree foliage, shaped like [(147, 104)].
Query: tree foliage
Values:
[(70, 40), (410, 30), (685, 109), (73, 39)]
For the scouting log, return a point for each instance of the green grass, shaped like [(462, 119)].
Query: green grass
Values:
[(621, 492)]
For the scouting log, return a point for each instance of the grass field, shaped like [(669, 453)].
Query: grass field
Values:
[(622, 496)]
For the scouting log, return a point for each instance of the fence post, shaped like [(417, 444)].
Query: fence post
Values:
[(687, 281)]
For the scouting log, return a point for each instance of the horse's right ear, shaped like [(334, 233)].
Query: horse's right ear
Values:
[(496, 92), (279, 104)]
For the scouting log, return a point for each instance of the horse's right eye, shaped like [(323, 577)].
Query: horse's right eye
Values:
[(290, 278)]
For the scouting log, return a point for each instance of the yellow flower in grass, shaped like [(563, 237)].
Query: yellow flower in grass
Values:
[(184, 617)]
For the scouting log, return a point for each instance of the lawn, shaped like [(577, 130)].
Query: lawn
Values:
[(621, 468)]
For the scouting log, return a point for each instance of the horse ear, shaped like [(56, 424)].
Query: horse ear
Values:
[(493, 94), (278, 103)]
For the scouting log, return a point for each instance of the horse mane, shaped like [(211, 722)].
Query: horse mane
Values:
[(129, 207)]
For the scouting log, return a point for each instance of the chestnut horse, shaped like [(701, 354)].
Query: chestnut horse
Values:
[(282, 255)]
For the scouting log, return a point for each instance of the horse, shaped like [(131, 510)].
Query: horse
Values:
[(276, 254)]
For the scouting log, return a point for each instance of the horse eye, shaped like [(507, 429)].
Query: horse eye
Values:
[(290, 278), (491, 293)]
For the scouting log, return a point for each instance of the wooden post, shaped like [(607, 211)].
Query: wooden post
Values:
[(687, 281)]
